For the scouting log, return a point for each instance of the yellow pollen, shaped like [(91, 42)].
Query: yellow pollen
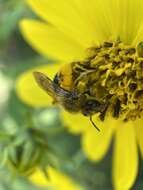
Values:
[(112, 74)]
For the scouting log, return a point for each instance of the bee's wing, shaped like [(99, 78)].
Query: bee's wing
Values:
[(44, 82), (52, 89)]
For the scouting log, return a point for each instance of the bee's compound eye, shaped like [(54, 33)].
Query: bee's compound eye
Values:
[(56, 79)]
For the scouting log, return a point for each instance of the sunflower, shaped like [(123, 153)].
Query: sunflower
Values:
[(66, 30), (55, 180)]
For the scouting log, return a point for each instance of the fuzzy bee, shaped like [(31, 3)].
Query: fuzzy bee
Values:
[(65, 93)]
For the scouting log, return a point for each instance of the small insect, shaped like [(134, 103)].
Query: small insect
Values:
[(68, 96)]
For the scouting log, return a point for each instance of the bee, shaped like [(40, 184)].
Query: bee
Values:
[(64, 92)]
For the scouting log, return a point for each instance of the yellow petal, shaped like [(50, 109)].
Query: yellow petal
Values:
[(56, 180), (38, 178), (49, 41), (28, 90), (125, 163), (139, 36), (98, 14), (60, 181), (75, 123), (126, 18), (95, 144), (92, 21), (67, 17), (139, 133)]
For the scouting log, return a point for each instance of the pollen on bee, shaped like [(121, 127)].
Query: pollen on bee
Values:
[(65, 76)]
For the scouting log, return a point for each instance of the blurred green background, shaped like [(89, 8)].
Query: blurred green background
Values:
[(20, 123)]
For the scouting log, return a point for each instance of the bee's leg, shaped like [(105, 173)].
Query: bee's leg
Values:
[(117, 108), (103, 113), (94, 123)]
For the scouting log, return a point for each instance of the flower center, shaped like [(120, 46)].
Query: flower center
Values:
[(112, 74)]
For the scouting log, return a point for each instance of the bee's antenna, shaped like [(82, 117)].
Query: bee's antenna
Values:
[(94, 123)]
